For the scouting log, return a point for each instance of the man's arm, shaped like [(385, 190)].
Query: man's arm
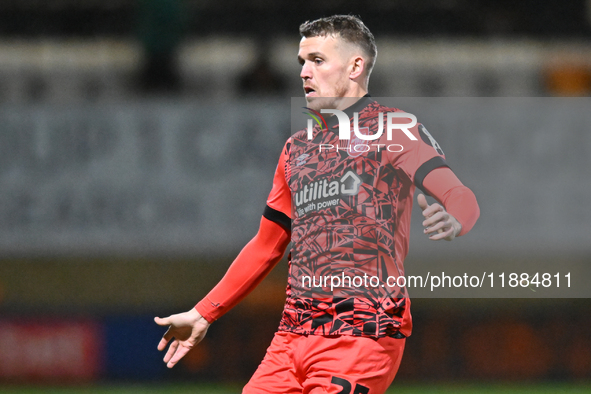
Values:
[(251, 266), (457, 210)]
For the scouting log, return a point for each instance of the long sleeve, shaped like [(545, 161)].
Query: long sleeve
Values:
[(249, 268), (458, 200)]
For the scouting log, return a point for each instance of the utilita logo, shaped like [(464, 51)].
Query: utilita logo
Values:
[(326, 194), (359, 143)]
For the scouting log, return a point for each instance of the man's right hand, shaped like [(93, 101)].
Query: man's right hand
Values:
[(187, 329)]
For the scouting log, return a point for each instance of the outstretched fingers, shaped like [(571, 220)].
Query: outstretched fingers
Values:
[(171, 350), (163, 342), (181, 351), (168, 335)]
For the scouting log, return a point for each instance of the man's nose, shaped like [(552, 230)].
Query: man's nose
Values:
[(306, 72)]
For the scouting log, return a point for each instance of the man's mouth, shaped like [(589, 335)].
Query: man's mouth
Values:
[(309, 91)]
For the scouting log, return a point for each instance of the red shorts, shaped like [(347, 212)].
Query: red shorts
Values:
[(317, 364)]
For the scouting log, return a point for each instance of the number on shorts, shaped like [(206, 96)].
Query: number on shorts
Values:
[(346, 385)]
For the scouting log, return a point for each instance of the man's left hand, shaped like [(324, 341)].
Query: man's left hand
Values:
[(438, 223)]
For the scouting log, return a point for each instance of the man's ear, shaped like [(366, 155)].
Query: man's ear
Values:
[(357, 67)]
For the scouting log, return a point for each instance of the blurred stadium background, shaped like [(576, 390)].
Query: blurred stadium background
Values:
[(137, 144)]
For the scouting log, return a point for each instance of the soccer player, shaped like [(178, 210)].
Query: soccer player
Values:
[(346, 209)]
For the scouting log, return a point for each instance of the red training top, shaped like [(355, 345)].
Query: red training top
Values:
[(346, 206)]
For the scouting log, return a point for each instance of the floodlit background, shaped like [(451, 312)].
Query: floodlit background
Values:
[(138, 141)]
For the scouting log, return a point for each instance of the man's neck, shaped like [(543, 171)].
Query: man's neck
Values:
[(351, 97)]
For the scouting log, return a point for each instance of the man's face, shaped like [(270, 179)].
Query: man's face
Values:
[(326, 65)]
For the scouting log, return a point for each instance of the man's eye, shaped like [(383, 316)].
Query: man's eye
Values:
[(318, 61)]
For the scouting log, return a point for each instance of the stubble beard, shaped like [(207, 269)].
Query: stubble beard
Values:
[(332, 102)]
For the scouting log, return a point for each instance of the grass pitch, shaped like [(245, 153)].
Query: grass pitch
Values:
[(434, 388)]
